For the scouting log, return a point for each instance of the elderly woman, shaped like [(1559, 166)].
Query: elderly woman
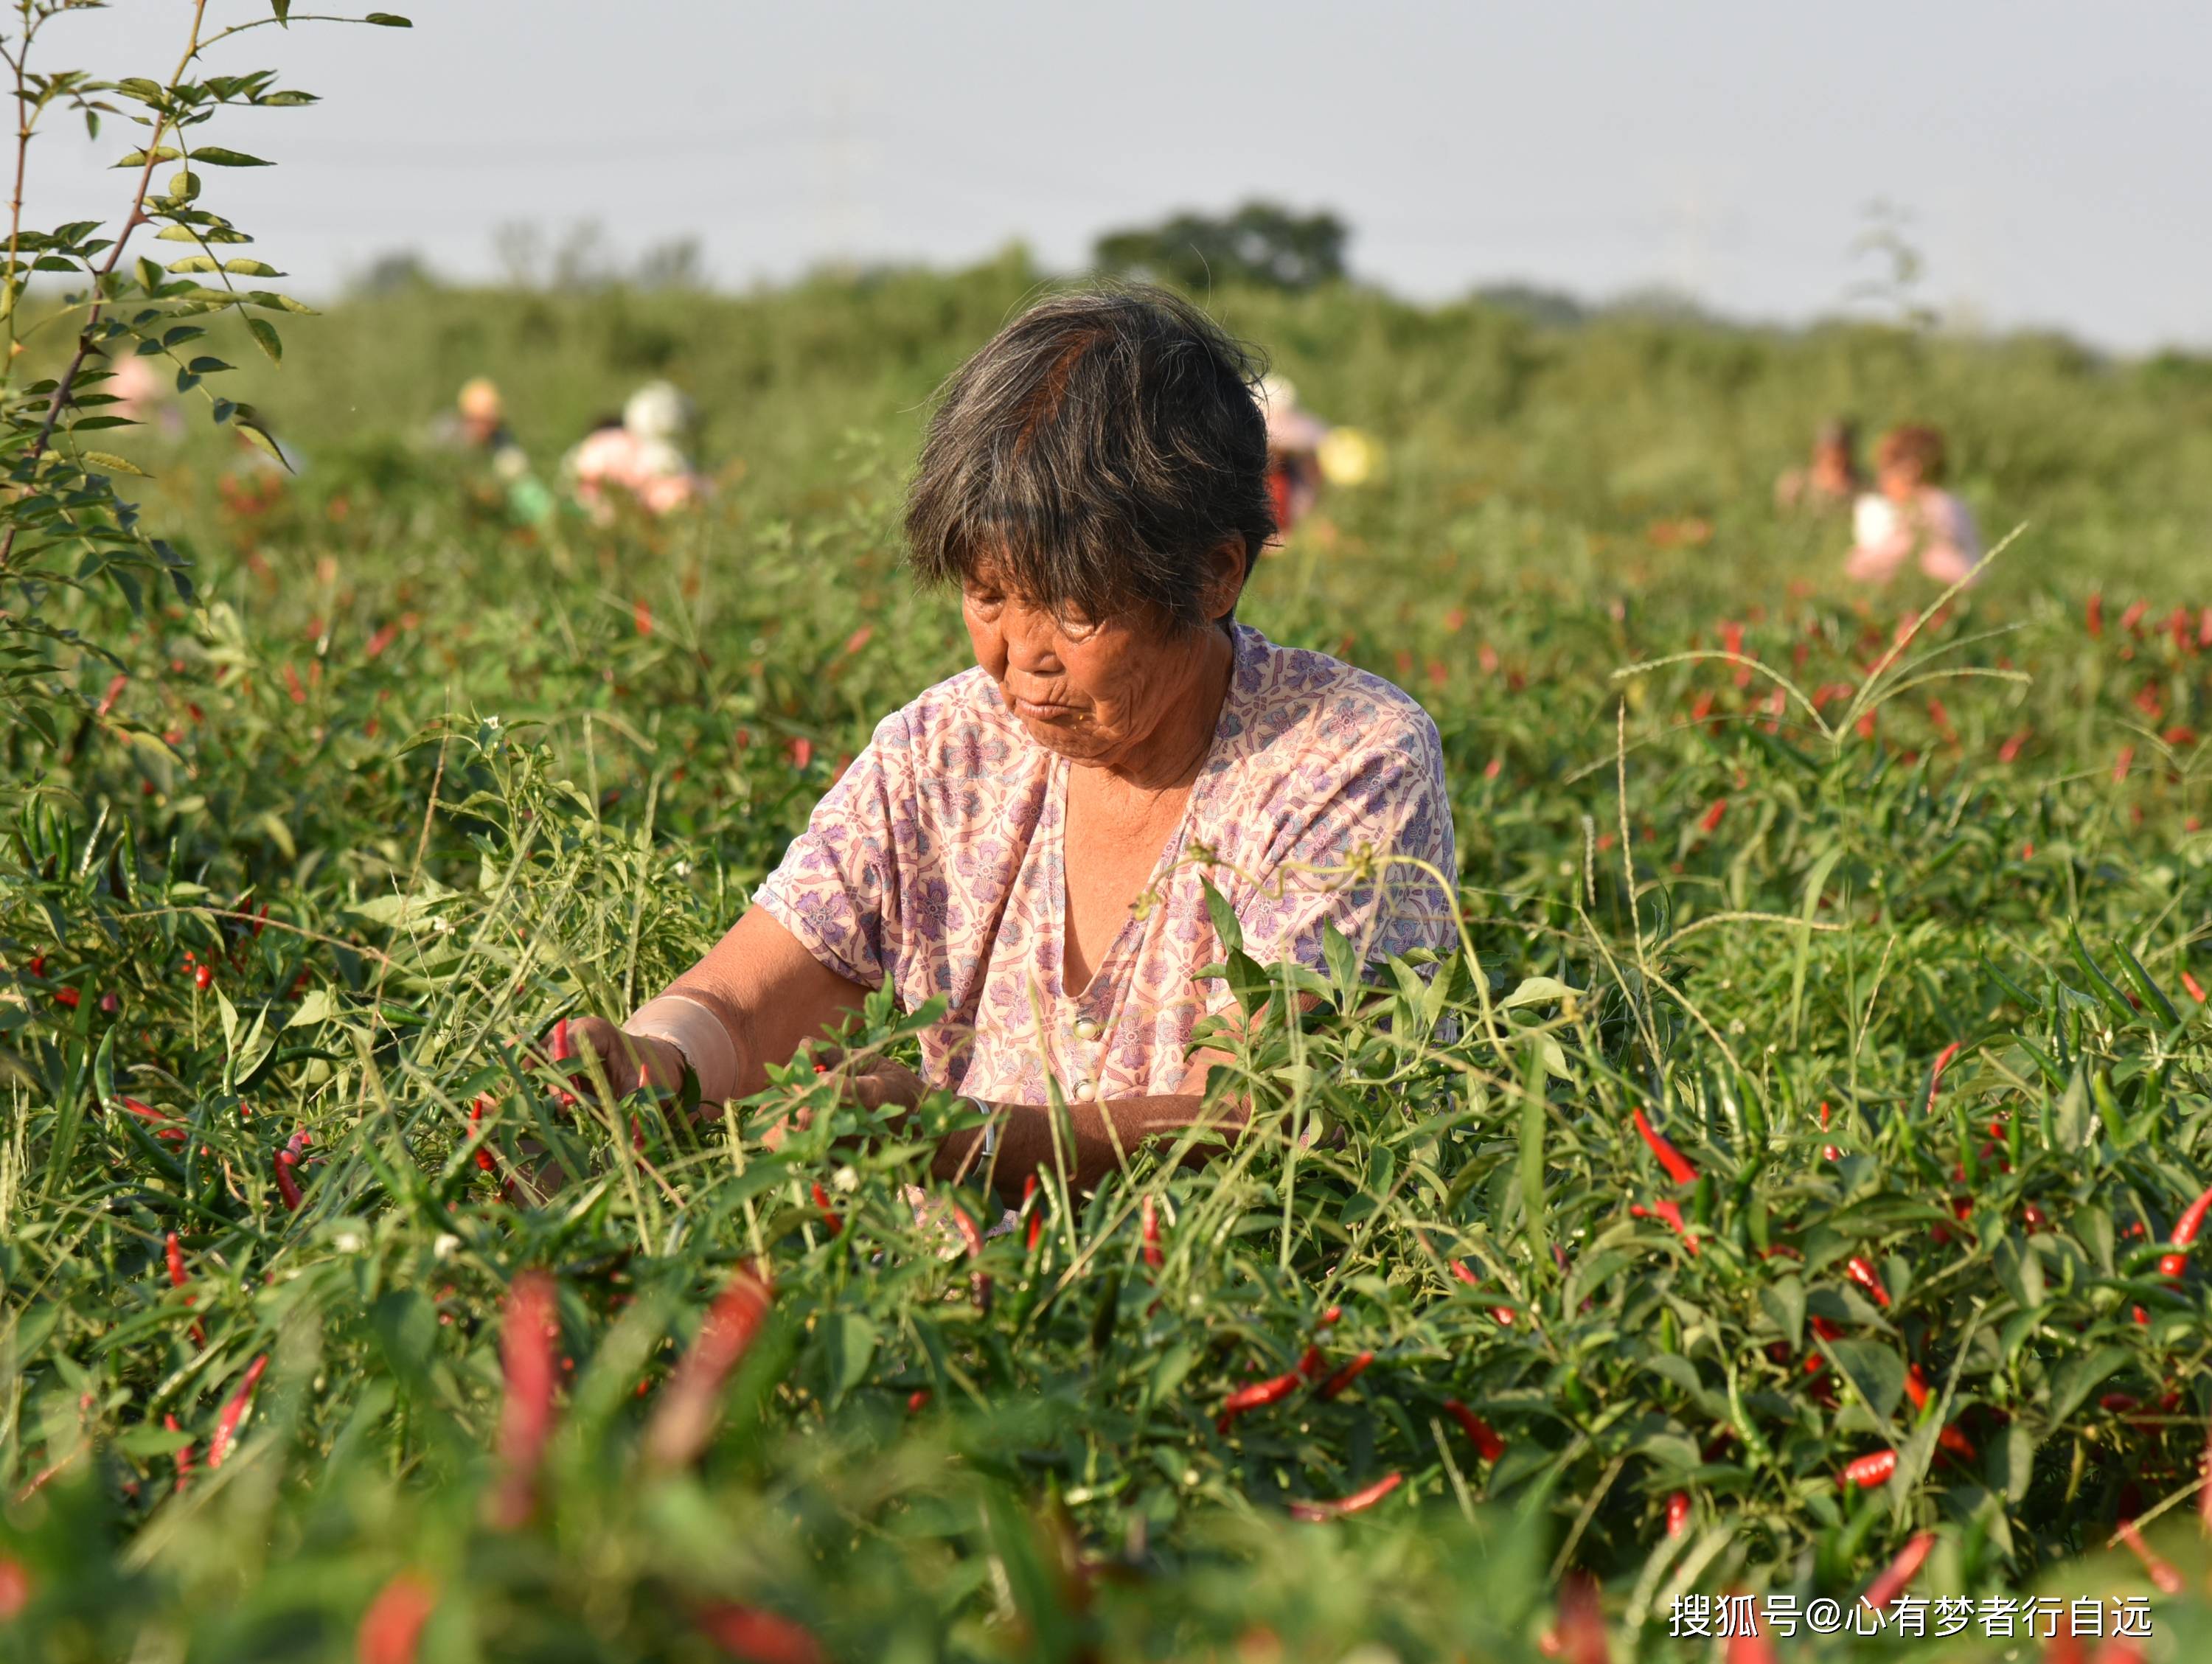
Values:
[(1030, 840)]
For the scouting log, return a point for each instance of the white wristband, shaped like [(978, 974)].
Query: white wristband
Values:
[(990, 1144), (695, 1028)]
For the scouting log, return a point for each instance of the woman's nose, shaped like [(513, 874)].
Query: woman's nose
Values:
[(1029, 634)]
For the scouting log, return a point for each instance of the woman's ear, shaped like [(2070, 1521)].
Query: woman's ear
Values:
[(1225, 566)]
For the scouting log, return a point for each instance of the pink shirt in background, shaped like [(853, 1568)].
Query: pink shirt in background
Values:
[(1935, 525), (937, 863)]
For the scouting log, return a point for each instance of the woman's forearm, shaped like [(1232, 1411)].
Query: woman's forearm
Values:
[(1104, 1134)]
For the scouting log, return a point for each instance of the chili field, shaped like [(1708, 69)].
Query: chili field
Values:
[(1791, 1178)]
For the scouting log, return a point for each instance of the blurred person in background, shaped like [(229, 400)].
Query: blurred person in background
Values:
[(1909, 518), (478, 426), (1294, 437), (1304, 454), (640, 456), (142, 394), (1829, 482), (1031, 841)]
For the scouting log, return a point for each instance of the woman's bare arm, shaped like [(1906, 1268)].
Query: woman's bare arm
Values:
[(770, 994)]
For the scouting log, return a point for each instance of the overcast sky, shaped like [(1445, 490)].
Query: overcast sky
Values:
[(2052, 157)]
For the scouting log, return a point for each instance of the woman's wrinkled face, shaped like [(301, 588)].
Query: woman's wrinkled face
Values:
[(1095, 691)]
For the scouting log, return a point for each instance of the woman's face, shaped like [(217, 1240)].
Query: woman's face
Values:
[(1899, 479), (1098, 692)]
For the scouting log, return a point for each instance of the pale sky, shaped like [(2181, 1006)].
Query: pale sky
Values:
[(2051, 156)]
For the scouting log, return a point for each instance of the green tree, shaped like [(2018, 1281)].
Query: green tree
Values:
[(1261, 243)]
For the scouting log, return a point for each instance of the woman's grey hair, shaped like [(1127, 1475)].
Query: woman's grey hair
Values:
[(1094, 453)]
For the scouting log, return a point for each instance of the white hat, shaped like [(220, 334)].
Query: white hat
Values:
[(657, 411), (1289, 427)]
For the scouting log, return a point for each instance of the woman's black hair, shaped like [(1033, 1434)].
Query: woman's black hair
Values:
[(1094, 454)]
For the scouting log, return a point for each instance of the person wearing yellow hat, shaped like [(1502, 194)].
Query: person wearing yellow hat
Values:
[(478, 424)]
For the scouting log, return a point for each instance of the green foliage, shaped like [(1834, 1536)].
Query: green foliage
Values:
[(64, 526)]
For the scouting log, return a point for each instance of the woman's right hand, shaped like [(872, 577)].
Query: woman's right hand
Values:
[(627, 1061)]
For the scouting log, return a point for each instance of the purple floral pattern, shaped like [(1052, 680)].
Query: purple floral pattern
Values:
[(937, 862)]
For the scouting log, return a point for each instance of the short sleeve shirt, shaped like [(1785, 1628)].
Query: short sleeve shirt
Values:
[(937, 863)]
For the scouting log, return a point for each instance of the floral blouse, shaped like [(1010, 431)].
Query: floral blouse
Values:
[(937, 862)]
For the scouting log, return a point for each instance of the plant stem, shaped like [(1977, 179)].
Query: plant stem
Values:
[(132, 221)]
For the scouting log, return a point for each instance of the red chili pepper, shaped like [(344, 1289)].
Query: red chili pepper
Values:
[(1036, 1218), (1152, 1233), (2123, 762), (68, 997), (1749, 1646), (525, 1420), (684, 1419), (2036, 1218), (2094, 615), (165, 1125), (1862, 1272), (114, 692), (1712, 819), (1900, 1572), (1312, 1363), (801, 751), (287, 1186), (822, 1206), (1672, 1214), (393, 1625), (1329, 1317), (1504, 1314), (2185, 1234), (175, 1252), (968, 1234), (1678, 1513), (184, 1454), (1346, 1375), (1829, 1152), (1356, 1502), (1935, 1076), (383, 638), (234, 1412), (2163, 1576), (484, 1158), (1259, 1394), (1868, 1472), (1669, 1157), (757, 1637), (641, 614), (203, 977), (292, 683), (2134, 616), (916, 1399), (1487, 1444)]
